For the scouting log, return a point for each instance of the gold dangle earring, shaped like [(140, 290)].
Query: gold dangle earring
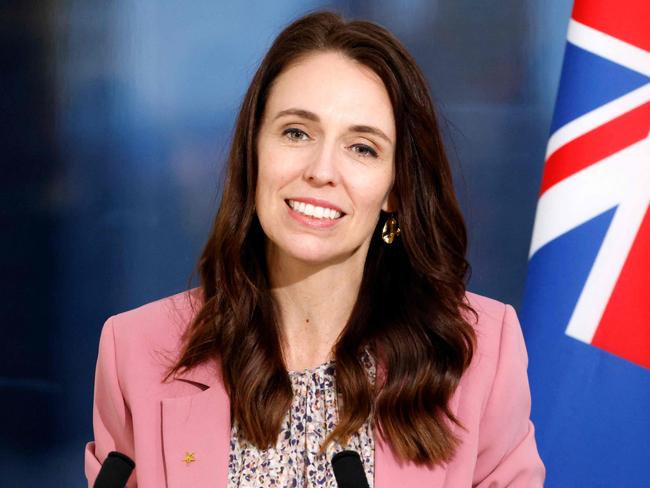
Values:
[(391, 230)]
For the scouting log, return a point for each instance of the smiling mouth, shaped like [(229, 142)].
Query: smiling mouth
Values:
[(314, 211)]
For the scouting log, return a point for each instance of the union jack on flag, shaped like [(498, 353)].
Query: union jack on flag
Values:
[(586, 305)]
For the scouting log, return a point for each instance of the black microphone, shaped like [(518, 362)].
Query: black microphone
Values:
[(348, 470), (115, 471)]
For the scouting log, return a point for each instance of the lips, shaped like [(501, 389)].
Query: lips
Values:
[(314, 211)]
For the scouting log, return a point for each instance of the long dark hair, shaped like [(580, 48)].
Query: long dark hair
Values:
[(410, 311)]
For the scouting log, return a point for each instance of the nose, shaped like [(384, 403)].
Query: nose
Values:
[(322, 167)]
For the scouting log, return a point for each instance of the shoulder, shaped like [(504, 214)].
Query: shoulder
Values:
[(493, 319), (141, 344), (159, 324), (499, 342), (490, 311), (497, 374)]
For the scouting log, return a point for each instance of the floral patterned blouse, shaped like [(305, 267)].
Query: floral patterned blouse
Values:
[(293, 461)]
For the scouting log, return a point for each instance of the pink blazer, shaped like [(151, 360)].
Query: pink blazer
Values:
[(158, 423)]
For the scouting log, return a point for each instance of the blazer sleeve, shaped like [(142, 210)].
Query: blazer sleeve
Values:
[(507, 452), (112, 424)]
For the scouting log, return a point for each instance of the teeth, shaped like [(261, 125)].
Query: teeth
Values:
[(314, 211)]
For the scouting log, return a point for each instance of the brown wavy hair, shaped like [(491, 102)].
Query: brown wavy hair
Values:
[(410, 309)]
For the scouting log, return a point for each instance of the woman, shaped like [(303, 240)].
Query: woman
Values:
[(332, 312)]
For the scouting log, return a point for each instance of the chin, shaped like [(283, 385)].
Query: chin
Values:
[(313, 255)]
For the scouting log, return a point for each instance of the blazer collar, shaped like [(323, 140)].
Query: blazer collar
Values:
[(204, 375), (196, 440)]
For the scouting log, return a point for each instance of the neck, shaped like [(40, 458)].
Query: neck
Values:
[(315, 303)]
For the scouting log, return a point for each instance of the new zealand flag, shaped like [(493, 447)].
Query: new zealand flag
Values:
[(586, 306)]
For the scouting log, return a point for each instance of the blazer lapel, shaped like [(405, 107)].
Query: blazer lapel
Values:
[(196, 433)]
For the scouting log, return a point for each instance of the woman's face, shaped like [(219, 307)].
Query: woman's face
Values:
[(325, 159)]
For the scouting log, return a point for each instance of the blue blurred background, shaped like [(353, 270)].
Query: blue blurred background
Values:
[(116, 118)]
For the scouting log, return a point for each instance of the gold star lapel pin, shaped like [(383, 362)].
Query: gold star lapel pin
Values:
[(189, 458)]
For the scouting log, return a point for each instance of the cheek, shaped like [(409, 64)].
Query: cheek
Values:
[(268, 177), (371, 193), (275, 170)]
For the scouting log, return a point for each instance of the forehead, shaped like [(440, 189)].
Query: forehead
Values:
[(336, 88)]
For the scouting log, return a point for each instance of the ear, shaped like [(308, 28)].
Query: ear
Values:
[(390, 204)]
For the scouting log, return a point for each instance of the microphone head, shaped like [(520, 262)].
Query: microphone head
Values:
[(115, 471), (348, 470)]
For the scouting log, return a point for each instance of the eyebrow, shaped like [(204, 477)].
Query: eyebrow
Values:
[(306, 114)]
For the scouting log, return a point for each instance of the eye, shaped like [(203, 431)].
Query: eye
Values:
[(292, 132), (366, 150)]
